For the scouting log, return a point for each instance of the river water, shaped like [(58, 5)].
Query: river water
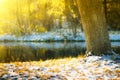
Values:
[(35, 51)]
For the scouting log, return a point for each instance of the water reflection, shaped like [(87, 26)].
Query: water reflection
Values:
[(30, 51)]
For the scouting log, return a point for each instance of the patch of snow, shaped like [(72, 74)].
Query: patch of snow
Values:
[(93, 68), (56, 35), (7, 37), (114, 37), (92, 58)]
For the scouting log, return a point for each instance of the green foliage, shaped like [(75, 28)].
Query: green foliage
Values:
[(113, 14)]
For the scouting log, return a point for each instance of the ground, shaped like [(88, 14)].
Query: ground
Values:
[(88, 68)]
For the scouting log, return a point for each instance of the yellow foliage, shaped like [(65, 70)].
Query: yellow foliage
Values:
[(17, 13), (40, 29), (58, 7)]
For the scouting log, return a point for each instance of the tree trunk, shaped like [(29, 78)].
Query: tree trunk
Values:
[(94, 26)]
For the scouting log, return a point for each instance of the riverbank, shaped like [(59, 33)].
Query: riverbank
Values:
[(55, 36), (89, 68)]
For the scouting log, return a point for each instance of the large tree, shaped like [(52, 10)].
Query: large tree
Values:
[(94, 26)]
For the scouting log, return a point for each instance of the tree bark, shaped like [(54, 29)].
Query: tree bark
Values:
[(94, 26)]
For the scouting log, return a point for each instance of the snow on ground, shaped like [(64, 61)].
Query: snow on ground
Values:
[(114, 37), (89, 68), (57, 35)]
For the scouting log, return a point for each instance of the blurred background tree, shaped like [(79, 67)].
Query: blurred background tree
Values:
[(24, 17), (113, 14)]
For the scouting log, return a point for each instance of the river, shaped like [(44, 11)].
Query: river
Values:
[(35, 51)]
